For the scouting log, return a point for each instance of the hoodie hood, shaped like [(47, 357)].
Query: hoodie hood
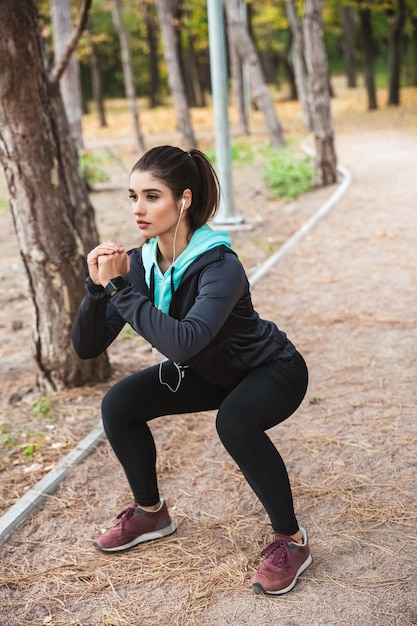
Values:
[(164, 284)]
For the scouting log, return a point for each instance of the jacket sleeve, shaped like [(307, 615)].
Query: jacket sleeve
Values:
[(97, 323), (220, 288)]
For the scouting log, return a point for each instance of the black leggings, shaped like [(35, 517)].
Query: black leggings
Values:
[(265, 397)]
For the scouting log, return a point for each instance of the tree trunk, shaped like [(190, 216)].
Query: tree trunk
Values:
[(413, 19), (298, 62), (128, 73), (96, 81), (396, 19), (238, 83), (52, 215), (246, 51), (69, 83), (325, 158), (193, 70), (348, 28), (175, 79), (368, 55), (148, 9), (288, 67)]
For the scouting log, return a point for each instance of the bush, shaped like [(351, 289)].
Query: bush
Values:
[(287, 175), (91, 168)]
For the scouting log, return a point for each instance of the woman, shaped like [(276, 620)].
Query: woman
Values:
[(187, 294)]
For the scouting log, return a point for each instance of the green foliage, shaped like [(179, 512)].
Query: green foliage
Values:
[(30, 450), (91, 167), (7, 438), (288, 175), (240, 153), (42, 406)]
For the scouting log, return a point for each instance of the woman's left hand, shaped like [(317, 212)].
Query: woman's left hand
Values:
[(112, 265)]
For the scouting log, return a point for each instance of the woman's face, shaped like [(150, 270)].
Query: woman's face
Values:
[(153, 205)]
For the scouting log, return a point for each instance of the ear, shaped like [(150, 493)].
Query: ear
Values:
[(185, 200)]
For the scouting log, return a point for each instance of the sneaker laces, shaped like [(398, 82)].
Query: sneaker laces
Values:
[(277, 553), (125, 515)]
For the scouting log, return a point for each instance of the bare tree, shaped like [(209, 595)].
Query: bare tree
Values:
[(299, 64), (237, 69), (128, 72), (176, 83), (347, 15), (247, 52), (96, 80), (52, 215), (396, 19), (69, 84), (148, 10), (325, 157), (367, 40)]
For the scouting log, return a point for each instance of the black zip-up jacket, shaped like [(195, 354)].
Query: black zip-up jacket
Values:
[(212, 325)]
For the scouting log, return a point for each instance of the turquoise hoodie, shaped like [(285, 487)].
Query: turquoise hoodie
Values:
[(203, 239)]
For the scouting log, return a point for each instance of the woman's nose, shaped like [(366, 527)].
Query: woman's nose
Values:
[(137, 207)]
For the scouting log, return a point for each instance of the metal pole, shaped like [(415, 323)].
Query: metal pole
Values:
[(219, 85)]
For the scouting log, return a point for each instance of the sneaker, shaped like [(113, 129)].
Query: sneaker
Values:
[(284, 561), (136, 526)]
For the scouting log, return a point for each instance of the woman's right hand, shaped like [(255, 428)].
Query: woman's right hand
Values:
[(107, 247)]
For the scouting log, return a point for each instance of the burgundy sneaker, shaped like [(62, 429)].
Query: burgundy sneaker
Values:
[(135, 526), (284, 561)]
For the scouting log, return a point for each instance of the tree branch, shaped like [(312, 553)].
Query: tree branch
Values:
[(62, 63)]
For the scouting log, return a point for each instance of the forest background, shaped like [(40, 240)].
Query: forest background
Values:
[(39, 425), (120, 41)]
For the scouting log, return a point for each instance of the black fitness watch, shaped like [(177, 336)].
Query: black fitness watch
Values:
[(114, 285)]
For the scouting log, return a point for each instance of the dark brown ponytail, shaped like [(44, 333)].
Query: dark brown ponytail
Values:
[(181, 170)]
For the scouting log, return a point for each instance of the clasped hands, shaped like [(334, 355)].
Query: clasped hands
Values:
[(106, 261)]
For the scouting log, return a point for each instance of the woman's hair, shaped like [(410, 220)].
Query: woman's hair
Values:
[(181, 170)]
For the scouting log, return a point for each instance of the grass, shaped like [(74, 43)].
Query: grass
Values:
[(92, 167), (287, 174)]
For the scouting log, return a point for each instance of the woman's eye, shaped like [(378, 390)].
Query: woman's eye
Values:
[(152, 197), (132, 196)]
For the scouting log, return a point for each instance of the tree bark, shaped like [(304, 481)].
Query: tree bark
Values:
[(96, 81), (148, 9), (298, 62), (325, 157), (175, 79), (368, 55), (238, 82), (247, 52), (52, 215), (413, 19), (128, 73), (69, 83), (191, 60), (395, 19), (348, 28)]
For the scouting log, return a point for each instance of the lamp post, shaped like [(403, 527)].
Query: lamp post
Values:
[(219, 81)]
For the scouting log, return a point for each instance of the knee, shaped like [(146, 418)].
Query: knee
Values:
[(113, 408), (232, 428)]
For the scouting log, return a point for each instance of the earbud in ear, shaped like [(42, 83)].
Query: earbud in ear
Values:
[(182, 206)]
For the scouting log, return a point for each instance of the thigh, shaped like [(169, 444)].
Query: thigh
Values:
[(267, 395), (161, 390)]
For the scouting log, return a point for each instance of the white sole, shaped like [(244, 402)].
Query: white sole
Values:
[(156, 534)]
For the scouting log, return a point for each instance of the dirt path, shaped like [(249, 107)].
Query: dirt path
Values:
[(346, 296)]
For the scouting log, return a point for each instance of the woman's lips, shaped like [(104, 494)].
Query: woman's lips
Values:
[(142, 224)]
